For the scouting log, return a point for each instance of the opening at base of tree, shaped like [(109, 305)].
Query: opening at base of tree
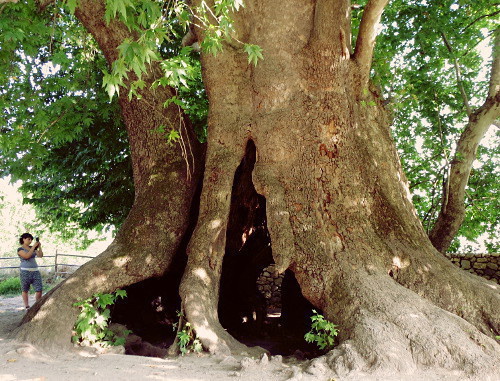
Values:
[(254, 311), (149, 311)]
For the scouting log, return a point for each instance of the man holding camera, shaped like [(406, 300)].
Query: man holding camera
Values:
[(29, 273)]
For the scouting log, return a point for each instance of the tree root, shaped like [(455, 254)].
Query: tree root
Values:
[(392, 329)]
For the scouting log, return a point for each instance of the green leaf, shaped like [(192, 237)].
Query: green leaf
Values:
[(121, 293), (104, 300), (173, 136), (254, 53), (71, 5)]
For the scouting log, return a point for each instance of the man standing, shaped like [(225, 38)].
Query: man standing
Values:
[(29, 273)]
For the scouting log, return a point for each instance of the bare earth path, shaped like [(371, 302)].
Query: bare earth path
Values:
[(21, 361)]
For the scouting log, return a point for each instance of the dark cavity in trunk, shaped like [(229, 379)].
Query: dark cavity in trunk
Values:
[(257, 306)]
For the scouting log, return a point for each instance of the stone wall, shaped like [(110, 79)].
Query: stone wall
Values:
[(485, 265), (269, 285)]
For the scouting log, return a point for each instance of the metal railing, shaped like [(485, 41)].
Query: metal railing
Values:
[(56, 264)]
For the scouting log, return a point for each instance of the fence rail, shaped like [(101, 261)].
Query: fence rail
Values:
[(55, 265)]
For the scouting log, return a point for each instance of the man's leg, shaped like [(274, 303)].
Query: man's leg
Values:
[(25, 299), (37, 285)]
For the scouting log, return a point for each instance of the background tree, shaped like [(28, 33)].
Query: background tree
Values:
[(337, 206), (429, 70)]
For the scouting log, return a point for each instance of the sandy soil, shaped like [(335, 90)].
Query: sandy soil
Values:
[(21, 361)]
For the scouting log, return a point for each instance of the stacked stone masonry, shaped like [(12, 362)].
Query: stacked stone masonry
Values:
[(485, 265), (269, 285)]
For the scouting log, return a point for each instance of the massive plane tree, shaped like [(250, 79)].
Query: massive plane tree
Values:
[(308, 136)]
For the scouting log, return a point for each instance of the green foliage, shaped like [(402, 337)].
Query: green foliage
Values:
[(155, 28), (10, 286), (60, 134), (188, 342), (91, 327), (254, 53), (322, 332)]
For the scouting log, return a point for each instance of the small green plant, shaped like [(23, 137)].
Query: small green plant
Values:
[(188, 342), (10, 286), (322, 332), (91, 327)]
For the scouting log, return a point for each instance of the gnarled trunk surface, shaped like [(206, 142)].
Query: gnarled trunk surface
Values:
[(338, 207)]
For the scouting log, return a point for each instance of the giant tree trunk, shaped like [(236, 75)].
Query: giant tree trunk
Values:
[(165, 179), (338, 208)]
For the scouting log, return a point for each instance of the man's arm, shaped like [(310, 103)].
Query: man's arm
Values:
[(26, 254), (39, 252)]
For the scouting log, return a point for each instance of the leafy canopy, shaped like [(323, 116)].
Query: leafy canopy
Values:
[(61, 136)]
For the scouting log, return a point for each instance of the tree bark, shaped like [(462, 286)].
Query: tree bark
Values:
[(165, 179), (338, 207)]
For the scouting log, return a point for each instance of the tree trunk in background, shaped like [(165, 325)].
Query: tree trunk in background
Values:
[(165, 179), (338, 208), (452, 213)]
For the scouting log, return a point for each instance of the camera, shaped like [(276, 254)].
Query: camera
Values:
[(37, 239)]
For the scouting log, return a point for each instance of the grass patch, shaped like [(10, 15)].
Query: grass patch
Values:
[(10, 286)]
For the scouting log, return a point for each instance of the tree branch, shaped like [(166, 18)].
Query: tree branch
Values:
[(42, 4), (365, 42), (458, 75), (494, 87), (479, 18), (452, 211)]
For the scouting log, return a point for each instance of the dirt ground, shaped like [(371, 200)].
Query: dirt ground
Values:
[(21, 361)]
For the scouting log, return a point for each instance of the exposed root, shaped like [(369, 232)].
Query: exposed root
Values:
[(471, 297), (394, 330), (199, 303)]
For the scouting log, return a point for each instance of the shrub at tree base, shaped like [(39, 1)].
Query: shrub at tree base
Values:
[(91, 327), (187, 339), (322, 332)]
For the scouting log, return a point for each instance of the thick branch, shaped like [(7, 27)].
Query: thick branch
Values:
[(453, 210), (494, 87), (365, 43)]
